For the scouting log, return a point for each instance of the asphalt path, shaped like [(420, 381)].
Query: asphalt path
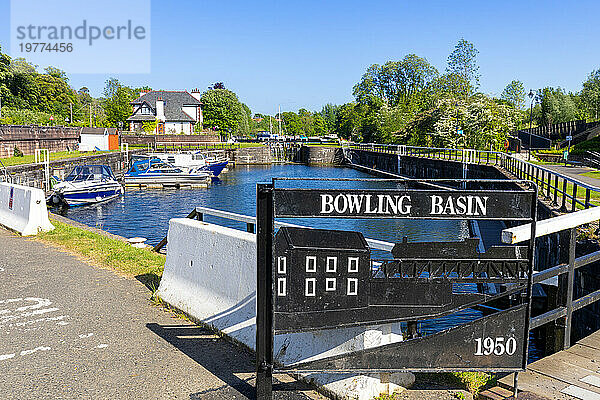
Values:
[(69, 330)]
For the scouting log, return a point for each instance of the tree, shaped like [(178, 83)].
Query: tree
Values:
[(556, 106), (20, 65), (222, 109), (329, 115), (149, 127), (514, 94), (590, 94), (462, 65), (401, 82), (116, 102), (57, 73)]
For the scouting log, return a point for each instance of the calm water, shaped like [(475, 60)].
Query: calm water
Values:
[(147, 212)]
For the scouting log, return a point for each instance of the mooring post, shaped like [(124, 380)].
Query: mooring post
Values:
[(264, 299)]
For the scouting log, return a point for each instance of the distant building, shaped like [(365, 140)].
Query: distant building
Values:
[(99, 139), (176, 112)]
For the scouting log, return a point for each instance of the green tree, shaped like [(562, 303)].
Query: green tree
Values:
[(590, 94), (462, 67), (149, 127), (116, 102), (329, 115), (514, 93), (222, 109)]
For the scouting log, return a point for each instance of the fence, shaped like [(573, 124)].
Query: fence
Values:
[(564, 191)]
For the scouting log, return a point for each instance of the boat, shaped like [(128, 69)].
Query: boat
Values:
[(86, 184), (154, 171), (194, 162)]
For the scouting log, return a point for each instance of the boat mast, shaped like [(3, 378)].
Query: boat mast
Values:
[(279, 115)]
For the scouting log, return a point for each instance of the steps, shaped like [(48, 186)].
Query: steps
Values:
[(495, 393)]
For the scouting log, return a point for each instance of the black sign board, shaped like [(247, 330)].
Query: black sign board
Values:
[(313, 279)]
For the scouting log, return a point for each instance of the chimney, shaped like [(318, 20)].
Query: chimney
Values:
[(143, 92), (160, 109), (196, 94)]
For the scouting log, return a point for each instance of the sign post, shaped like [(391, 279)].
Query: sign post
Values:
[(318, 279)]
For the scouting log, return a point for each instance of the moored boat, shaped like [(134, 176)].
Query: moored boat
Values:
[(153, 171), (86, 184), (194, 162)]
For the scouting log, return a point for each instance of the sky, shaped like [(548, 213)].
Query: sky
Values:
[(310, 53)]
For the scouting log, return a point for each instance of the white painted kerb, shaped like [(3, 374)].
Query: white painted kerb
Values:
[(210, 273), (26, 213)]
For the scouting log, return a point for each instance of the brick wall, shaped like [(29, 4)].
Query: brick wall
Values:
[(27, 138)]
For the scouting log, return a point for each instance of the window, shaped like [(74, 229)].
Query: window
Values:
[(281, 265), (330, 284), (310, 287), (281, 289), (311, 263), (352, 289), (331, 264), (352, 264)]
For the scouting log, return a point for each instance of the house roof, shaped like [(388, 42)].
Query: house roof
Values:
[(98, 131), (174, 101)]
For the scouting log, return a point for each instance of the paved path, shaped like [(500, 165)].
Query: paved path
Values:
[(570, 374), (575, 172), (72, 331)]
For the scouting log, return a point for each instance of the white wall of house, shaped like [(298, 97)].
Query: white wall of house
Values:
[(89, 142), (191, 111), (178, 127)]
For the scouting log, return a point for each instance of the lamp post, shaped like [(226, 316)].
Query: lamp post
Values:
[(531, 96)]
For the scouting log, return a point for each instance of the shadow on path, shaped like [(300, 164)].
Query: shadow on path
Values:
[(232, 365)]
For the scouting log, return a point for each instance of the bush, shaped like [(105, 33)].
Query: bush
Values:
[(588, 145), (17, 152)]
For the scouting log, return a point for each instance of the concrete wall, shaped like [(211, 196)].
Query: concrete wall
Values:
[(314, 155), (30, 137), (210, 273), (33, 174), (252, 155), (23, 209)]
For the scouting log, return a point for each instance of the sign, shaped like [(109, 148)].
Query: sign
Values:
[(569, 138), (566, 155), (324, 279), (10, 198), (460, 132), (432, 204)]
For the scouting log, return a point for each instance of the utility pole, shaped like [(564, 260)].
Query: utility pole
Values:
[(90, 115), (279, 115), (0, 107), (270, 126), (71, 110)]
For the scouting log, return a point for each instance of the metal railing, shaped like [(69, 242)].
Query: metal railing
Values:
[(198, 213), (562, 191), (566, 304)]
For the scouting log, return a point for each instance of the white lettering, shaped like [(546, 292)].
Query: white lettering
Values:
[(355, 203), (341, 206), (404, 208), (436, 204), (326, 204)]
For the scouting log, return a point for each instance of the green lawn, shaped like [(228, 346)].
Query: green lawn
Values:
[(592, 174), (53, 156), (147, 266)]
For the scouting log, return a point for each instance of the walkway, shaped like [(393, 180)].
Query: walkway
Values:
[(73, 331), (571, 374), (575, 173)]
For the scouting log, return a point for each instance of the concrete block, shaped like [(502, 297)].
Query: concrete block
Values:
[(23, 209), (210, 273)]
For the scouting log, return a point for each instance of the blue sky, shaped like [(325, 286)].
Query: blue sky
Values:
[(307, 54)]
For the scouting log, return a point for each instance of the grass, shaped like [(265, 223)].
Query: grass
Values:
[(592, 174), (473, 382), (59, 155), (144, 265)]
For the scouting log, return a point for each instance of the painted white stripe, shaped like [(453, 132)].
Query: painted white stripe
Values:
[(6, 356), (86, 335), (580, 393), (102, 346), (41, 348), (593, 380), (1, 269), (7, 318), (35, 321)]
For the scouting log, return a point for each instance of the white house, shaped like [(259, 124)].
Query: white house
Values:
[(176, 112)]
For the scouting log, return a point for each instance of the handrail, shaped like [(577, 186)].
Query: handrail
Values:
[(250, 221), (545, 227), (7, 177)]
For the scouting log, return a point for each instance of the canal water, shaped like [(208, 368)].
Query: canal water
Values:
[(147, 212)]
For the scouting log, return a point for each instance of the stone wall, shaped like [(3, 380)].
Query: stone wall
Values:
[(313, 155), (251, 155), (33, 174), (27, 138)]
